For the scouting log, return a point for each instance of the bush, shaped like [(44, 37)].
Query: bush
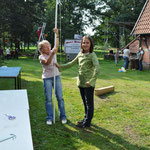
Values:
[(97, 47)]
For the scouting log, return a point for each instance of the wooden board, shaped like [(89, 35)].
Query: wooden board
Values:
[(104, 90)]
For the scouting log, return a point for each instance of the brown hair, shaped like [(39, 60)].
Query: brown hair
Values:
[(41, 45), (91, 41)]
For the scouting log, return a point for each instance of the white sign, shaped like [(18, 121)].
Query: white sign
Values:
[(77, 36), (72, 46)]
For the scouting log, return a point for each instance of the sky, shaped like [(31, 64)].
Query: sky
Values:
[(89, 31), (89, 28)]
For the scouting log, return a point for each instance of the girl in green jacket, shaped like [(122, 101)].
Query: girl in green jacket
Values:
[(88, 72)]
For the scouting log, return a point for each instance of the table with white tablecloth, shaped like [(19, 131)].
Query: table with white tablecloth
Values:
[(15, 129)]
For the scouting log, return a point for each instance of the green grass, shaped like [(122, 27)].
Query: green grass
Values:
[(121, 119)]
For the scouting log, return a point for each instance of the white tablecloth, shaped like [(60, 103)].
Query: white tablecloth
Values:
[(15, 132), (13, 99)]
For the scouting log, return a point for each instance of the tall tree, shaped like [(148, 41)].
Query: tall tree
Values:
[(121, 13), (74, 16), (18, 18)]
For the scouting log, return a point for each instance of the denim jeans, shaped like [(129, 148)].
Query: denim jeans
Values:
[(126, 62), (140, 65), (87, 95), (48, 85)]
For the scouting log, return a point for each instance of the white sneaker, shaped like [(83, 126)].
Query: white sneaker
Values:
[(49, 122), (64, 121)]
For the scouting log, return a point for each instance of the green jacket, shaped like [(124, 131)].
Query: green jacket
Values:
[(88, 68)]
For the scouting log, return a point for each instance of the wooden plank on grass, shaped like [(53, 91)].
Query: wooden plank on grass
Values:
[(104, 90)]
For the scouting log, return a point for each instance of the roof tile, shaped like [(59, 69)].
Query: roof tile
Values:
[(143, 25)]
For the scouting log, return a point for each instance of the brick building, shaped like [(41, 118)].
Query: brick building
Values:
[(142, 31)]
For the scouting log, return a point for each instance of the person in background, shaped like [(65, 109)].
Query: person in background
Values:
[(111, 52), (126, 55), (140, 55), (12, 54), (116, 57), (88, 72), (47, 60), (16, 52), (8, 53)]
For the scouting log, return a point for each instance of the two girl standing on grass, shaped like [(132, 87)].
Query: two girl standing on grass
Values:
[(88, 72)]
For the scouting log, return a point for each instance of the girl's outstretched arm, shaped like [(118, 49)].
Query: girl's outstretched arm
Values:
[(57, 65)]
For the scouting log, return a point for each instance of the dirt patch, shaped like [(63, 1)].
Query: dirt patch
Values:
[(129, 131)]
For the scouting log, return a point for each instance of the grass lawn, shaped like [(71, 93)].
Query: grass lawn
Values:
[(121, 119)]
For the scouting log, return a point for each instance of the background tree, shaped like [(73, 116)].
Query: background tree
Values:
[(74, 16), (18, 19), (123, 14)]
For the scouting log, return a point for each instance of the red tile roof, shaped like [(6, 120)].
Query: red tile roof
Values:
[(134, 44), (142, 25)]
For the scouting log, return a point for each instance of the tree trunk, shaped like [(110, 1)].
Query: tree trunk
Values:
[(118, 37), (28, 45)]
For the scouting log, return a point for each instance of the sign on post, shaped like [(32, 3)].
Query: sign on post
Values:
[(72, 46)]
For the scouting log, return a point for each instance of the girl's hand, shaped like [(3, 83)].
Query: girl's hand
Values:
[(55, 30), (54, 51), (57, 65), (87, 84)]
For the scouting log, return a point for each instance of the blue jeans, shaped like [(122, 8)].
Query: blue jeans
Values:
[(48, 85), (126, 62), (140, 65)]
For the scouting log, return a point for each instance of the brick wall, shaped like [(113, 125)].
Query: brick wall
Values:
[(134, 46)]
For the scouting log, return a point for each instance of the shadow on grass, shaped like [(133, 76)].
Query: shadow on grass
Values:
[(104, 139), (106, 96)]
